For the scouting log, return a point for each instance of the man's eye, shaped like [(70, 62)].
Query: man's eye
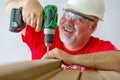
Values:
[(67, 16), (80, 19)]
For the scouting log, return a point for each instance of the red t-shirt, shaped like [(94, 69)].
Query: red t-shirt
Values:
[(35, 41)]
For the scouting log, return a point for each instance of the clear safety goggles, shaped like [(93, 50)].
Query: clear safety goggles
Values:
[(68, 14)]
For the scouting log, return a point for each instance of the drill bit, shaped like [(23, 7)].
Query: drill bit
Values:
[(47, 49)]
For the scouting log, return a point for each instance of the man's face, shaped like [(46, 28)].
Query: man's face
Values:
[(74, 28)]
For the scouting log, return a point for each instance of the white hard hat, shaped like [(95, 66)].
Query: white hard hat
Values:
[(88, 7)]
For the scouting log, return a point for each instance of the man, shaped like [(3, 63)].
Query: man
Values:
[(73, 42)]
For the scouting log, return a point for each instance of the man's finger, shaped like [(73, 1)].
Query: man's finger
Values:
[(39, 24), (28, 21), (33, 20)]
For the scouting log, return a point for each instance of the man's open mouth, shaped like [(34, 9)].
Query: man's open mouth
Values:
[(69, 29)]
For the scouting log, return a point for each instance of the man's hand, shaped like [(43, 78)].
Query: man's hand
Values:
[(59, 54), (32, 14)]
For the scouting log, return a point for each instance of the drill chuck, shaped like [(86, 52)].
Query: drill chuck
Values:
[(48, 36)]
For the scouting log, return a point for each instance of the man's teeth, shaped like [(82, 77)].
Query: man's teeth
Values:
[(69, 29)]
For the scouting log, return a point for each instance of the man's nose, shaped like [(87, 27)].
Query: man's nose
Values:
[(70, 21)]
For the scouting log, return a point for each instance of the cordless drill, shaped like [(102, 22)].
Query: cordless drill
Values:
[(49, 24)]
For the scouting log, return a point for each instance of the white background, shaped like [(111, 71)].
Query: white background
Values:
[(12, 49)]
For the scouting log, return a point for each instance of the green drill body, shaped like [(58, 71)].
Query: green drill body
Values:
[(50, 17)]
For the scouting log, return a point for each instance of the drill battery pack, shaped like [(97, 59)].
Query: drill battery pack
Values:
[(16, 21)]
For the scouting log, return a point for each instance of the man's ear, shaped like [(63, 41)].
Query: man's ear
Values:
[(93, 27)]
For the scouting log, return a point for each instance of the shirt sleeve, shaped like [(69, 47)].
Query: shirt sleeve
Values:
[(31, 37), (29, 33), (107, 46)]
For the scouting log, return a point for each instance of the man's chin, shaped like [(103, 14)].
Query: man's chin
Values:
[(66, 40)]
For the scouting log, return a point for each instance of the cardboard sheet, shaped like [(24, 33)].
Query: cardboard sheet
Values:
[(49, 69)]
